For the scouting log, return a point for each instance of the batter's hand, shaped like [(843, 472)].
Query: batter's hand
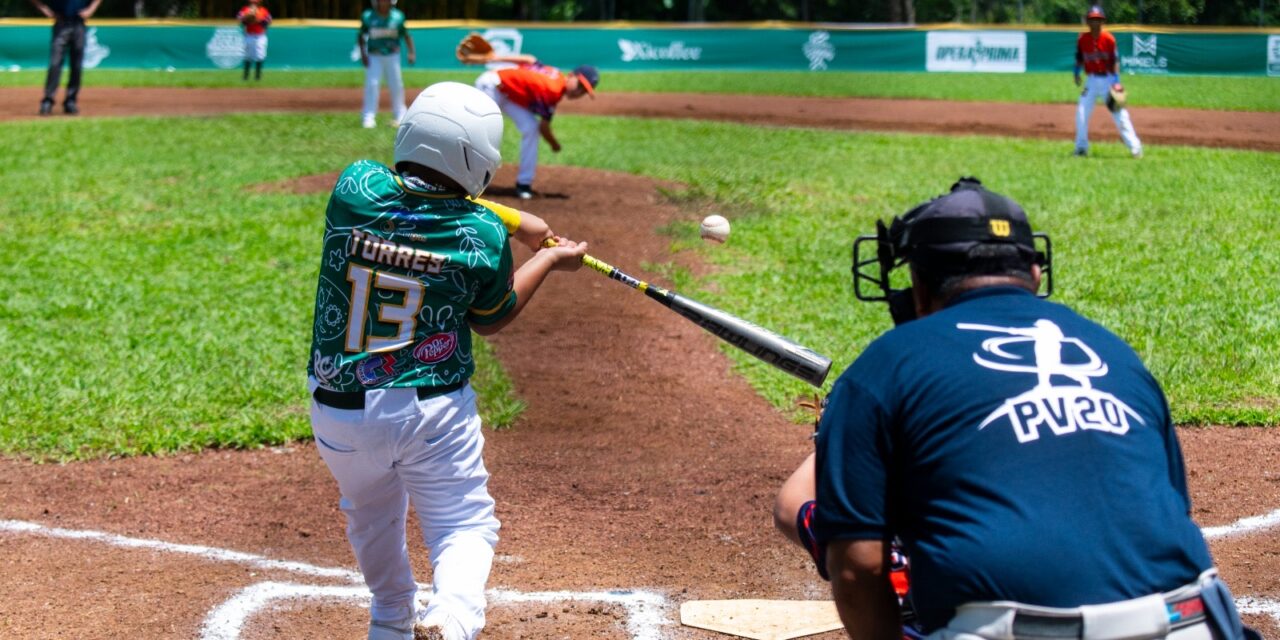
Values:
[(566, 254), (413, 57), (555, 146)]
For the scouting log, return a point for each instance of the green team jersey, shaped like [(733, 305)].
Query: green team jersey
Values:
[(405, 267), (382, 33)]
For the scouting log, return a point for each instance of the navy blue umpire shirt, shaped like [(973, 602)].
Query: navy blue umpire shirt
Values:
[(1021, 451), (66, 8)]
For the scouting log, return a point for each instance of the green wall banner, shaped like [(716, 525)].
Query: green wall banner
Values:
[(122, 44)]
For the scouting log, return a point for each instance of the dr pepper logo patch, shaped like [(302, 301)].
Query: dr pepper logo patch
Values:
[(436, 348)]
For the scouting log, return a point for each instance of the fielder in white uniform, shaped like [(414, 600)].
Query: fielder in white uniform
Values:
[(413, 262), (381, 30)]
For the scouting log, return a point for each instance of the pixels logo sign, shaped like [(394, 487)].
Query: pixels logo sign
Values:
[(1273, 56), (1146, 56)]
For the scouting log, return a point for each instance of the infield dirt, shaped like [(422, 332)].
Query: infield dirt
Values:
[(1196, 127), (642, 462)]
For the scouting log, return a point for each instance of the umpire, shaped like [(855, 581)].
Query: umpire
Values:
[(1023, 454), (68, 38)]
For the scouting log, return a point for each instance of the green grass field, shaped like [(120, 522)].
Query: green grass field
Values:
[(1195, 92), (154, 305)]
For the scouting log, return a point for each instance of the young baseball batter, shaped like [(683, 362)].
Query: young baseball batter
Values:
[(412, 263), (528, 93), (255, 19), (381, 30), (1096, 55)]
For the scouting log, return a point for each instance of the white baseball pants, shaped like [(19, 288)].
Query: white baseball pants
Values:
[(378, 67), (397, 449), (1097, 88), (255, 47), (526, 123)]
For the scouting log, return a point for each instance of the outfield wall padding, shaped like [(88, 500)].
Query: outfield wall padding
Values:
[(940, 48)]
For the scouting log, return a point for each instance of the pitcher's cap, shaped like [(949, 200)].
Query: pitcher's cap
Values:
[(589, 77)]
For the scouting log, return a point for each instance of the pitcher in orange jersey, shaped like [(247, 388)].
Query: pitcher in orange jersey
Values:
[(528, 91)]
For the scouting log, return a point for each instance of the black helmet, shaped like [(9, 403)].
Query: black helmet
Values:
[(940, 235)]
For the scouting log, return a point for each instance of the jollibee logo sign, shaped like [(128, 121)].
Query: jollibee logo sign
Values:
[(637, 50)]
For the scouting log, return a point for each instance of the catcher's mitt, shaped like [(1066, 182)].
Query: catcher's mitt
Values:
[(1116, 98), (474, 49)]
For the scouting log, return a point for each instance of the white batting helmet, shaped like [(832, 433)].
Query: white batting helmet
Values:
[(455, 129)]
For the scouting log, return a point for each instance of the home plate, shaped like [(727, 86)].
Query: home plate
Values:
[(762, 619)]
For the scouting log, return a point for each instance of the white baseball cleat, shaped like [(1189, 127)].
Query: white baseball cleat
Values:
[(438, 627), (369, 123), (394, 124)]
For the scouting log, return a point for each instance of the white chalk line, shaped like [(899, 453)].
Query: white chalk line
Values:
[(644, 608), (1259, 606), (1244, 525), (227, 620), (210, 553)]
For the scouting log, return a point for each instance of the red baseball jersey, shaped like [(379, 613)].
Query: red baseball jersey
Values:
[(1096, 56), (254, 27), (536, 87)]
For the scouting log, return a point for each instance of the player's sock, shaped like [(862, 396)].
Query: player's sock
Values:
[(246, 69), (257, 73)]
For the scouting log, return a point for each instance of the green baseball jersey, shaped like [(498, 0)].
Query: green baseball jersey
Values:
[(405, 267), (382, 33)]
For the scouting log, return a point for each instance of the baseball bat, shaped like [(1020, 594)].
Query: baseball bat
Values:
[(766, 346)]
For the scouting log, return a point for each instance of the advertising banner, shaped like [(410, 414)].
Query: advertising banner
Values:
[(976, 51), (126, 44)]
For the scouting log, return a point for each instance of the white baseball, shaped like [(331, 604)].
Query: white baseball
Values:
[(714, 228)]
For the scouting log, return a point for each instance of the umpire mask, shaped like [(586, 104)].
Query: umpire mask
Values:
[(938, 235)]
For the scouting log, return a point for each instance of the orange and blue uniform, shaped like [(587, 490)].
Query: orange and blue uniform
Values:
[(1096, 55), (534, 86)]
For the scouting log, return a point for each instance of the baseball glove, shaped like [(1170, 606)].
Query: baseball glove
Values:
[(474, 49), (1116, 98)]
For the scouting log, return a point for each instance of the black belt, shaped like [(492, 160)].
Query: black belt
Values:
[(354, 400), (1182, 613)]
